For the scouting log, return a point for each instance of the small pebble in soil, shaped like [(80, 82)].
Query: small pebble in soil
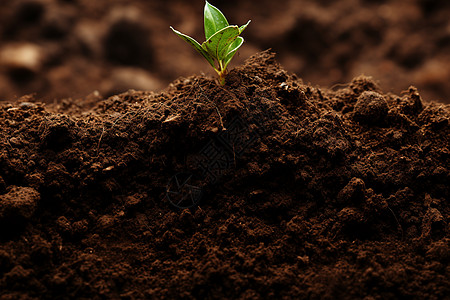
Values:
[(371, 108)]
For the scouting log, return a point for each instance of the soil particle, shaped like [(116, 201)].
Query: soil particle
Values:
[(353, 192), (105, 222), (371, 108), (18, 202), (63, 225), (363, 83), (432, 219), (56, 134)]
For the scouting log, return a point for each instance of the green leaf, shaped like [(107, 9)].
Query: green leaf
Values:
[(196, 45), (214, 20), (242, 28), (218, 44), (232, 51)]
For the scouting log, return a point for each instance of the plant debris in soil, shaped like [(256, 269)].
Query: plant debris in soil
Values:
[(293, 192)]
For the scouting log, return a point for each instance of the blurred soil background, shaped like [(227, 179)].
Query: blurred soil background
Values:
[(60, 49)]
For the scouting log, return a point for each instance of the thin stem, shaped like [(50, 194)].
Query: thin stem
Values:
[(222, 73)]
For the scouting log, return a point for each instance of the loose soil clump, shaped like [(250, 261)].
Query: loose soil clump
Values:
[(292, 191)]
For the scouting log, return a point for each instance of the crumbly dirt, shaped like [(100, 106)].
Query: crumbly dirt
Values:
[(300, 192), (71, 48)]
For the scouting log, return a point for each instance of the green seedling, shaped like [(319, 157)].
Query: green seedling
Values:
[(222, 40)]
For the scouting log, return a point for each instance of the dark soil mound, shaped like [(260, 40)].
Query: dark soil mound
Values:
[(294, 192)]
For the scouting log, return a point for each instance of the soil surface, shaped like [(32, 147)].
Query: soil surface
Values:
[(292, 192), (71, 48)]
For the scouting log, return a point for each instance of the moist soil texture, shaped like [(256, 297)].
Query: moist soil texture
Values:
[(265, 187)]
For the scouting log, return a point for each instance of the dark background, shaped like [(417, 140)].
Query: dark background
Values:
[(71, 48)]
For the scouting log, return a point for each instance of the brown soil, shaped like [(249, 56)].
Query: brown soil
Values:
[(76, 47), (300, 192)]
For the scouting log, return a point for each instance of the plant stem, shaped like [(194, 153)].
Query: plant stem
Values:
[(222, 75)]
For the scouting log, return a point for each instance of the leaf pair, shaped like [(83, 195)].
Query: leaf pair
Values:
[(222, 40)]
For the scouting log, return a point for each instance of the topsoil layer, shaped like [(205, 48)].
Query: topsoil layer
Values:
[(295, 192)]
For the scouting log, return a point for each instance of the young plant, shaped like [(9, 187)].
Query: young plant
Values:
[(222, 40)]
